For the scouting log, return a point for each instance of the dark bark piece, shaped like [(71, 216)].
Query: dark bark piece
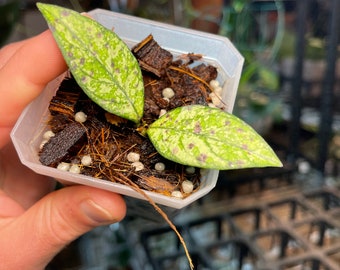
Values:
[(205, 72), (61, 145), (65, 100), (151, 56), (188, 90)]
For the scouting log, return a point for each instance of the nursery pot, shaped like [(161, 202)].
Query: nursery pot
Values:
[(216, 50)]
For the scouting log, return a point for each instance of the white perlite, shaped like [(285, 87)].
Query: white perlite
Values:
[(48, 135), (133, 157), (177, 194), (80, 117), (63, 166), (86, 160), (187, 186), (74, 168), (138, 166), (41, 146), (216, 99), (160, 166), (214, 84), (168, 92), (162, 112)]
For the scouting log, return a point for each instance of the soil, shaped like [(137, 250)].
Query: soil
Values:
[(108, 139)]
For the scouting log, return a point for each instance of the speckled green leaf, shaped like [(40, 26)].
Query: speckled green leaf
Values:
[(99, 60), (207, 137)]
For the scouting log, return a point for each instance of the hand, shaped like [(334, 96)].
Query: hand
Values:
[(36, 223)]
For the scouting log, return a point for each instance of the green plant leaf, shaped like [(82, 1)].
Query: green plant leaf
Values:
[(100, 61), (207, 137)]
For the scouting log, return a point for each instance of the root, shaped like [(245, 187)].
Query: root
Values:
[(126, 181)]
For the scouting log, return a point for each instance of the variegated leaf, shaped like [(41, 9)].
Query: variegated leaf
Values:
[(99, 60), (207, 137)]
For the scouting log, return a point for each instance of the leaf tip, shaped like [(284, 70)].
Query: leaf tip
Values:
[(42, 7), (277, 162)]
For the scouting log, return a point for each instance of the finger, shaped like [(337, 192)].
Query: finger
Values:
[(9, 208), (7, 52), (56, 220), (19, 182), (29, 68)]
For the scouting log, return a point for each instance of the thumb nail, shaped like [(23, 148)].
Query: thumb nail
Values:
[(96, 212)]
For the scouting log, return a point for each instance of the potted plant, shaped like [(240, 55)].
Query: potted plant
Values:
[(107, 71), (231, 142)]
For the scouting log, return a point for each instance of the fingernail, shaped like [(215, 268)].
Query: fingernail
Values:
[(96, 212)]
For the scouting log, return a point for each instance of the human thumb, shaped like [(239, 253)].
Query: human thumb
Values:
[(59, 218)]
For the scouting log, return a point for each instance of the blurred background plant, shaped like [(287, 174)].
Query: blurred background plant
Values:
[(256, 28), (9, 15)]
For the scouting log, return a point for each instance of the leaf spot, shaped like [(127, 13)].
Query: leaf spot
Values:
[(197, 128), (202, 158), (240, 163), (175, 150), (65, 13), (191, 145)]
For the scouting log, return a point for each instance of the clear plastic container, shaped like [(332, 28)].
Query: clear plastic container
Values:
[(216, 50)]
